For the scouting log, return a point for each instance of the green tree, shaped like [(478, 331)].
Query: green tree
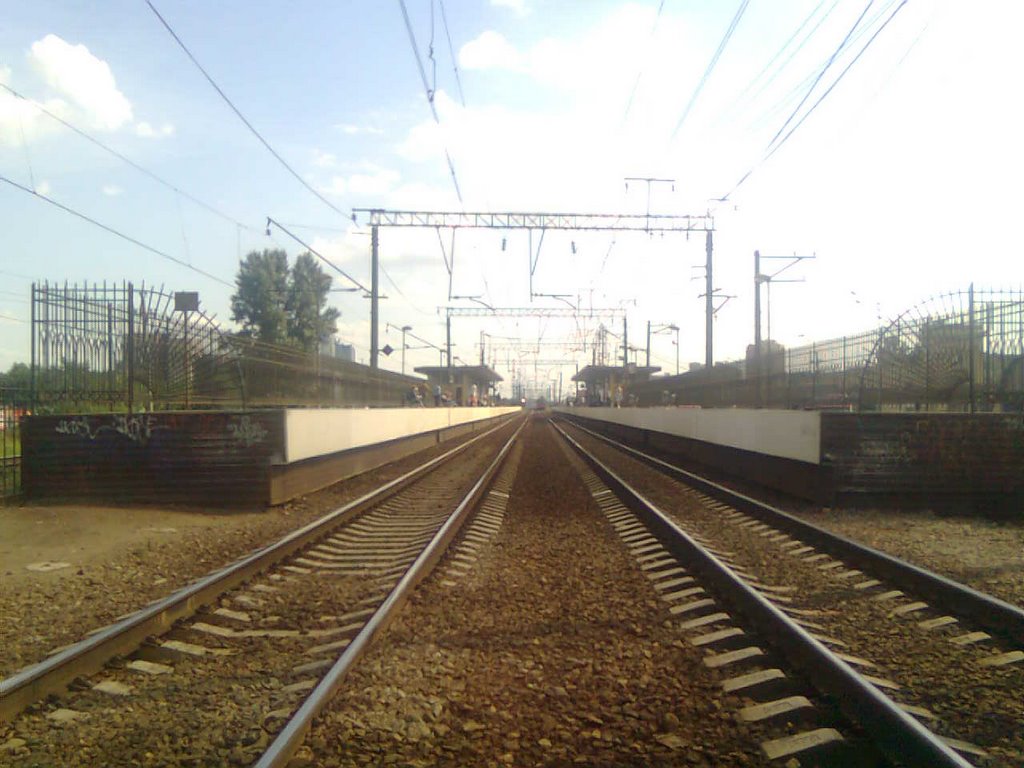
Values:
[(309, 317), (261, 294), (18, 376)]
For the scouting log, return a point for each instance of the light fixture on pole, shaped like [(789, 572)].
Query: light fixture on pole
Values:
[(405, 329)]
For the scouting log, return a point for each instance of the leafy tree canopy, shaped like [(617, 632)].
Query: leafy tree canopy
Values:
[(280, 304)]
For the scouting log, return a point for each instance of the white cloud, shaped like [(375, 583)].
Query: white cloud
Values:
[(324, 159), (351, 129), (111, 190), (490, 50), (374, 182), (21, 121), (519, 6), (337, 186), (147, 131), (85, 79)]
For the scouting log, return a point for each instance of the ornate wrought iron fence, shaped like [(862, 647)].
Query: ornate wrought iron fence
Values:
[(14, 405), (114, 347), (960, 351)]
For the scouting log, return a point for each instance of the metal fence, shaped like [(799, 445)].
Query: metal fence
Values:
[(118, 347), (13, 407), (960, 351)]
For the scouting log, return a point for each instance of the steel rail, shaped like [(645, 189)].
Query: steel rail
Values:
[(897, 734), (53, 674), (989, 612), (290, 738)]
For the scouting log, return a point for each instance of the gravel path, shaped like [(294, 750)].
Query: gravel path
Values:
[(553, 650), (970, 701), (984, 554), (222, 708), (167, 549)]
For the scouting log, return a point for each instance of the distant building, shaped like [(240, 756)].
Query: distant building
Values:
[(337, 349)]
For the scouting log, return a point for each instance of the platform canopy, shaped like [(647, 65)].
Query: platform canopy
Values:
[(602, 381), (457, 382)]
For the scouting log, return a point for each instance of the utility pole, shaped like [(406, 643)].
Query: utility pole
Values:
[(625, 343), (405, 329), (709, 307), (374, 295)]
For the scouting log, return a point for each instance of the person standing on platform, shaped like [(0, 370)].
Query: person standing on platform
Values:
[(474, 393), (437, 395)]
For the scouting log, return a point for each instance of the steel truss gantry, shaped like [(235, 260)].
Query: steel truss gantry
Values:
[(599, 222), (613, 222), (541, 312)]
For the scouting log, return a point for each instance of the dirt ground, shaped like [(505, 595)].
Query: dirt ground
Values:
[(85, 535)]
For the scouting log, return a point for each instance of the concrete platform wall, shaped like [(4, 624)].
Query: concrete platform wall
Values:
[(311, 433), (224, 458), (968, 463), (792, 435)]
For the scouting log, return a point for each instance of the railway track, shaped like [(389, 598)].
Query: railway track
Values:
[(930, 669), (203, 676)]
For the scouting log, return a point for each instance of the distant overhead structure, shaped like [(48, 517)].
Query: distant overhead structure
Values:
[(595, 222)]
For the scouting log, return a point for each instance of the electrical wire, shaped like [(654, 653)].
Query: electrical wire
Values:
[(451, 52), (774, 147), (113, 231), (125, 159), (636, 83), (840, 77), (783, 49), (823, 71), (242, 117), (711, 65), (317, 253), (429, 92)]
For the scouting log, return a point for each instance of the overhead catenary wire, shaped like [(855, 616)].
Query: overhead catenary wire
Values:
[(773, 146), (711, 66), (828, 64), (242, 117), (764, 70), (317, 253), (639, 74), (839, 78), (96, 142), (429, 92), (451, 52), (111, 230)]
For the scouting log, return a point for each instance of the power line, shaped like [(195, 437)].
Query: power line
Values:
[(113, 231), (840, 77), (451, 52), (317, 253), (772, 147), (242, 117), (783, 49), (821, 74), (711, 65), (125, 159), (636, 83), (429, 92)]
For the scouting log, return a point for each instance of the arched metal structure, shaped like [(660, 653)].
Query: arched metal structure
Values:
[(959, 351), (115, 346)]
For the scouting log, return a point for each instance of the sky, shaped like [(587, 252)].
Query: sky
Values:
[(902, 182)]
